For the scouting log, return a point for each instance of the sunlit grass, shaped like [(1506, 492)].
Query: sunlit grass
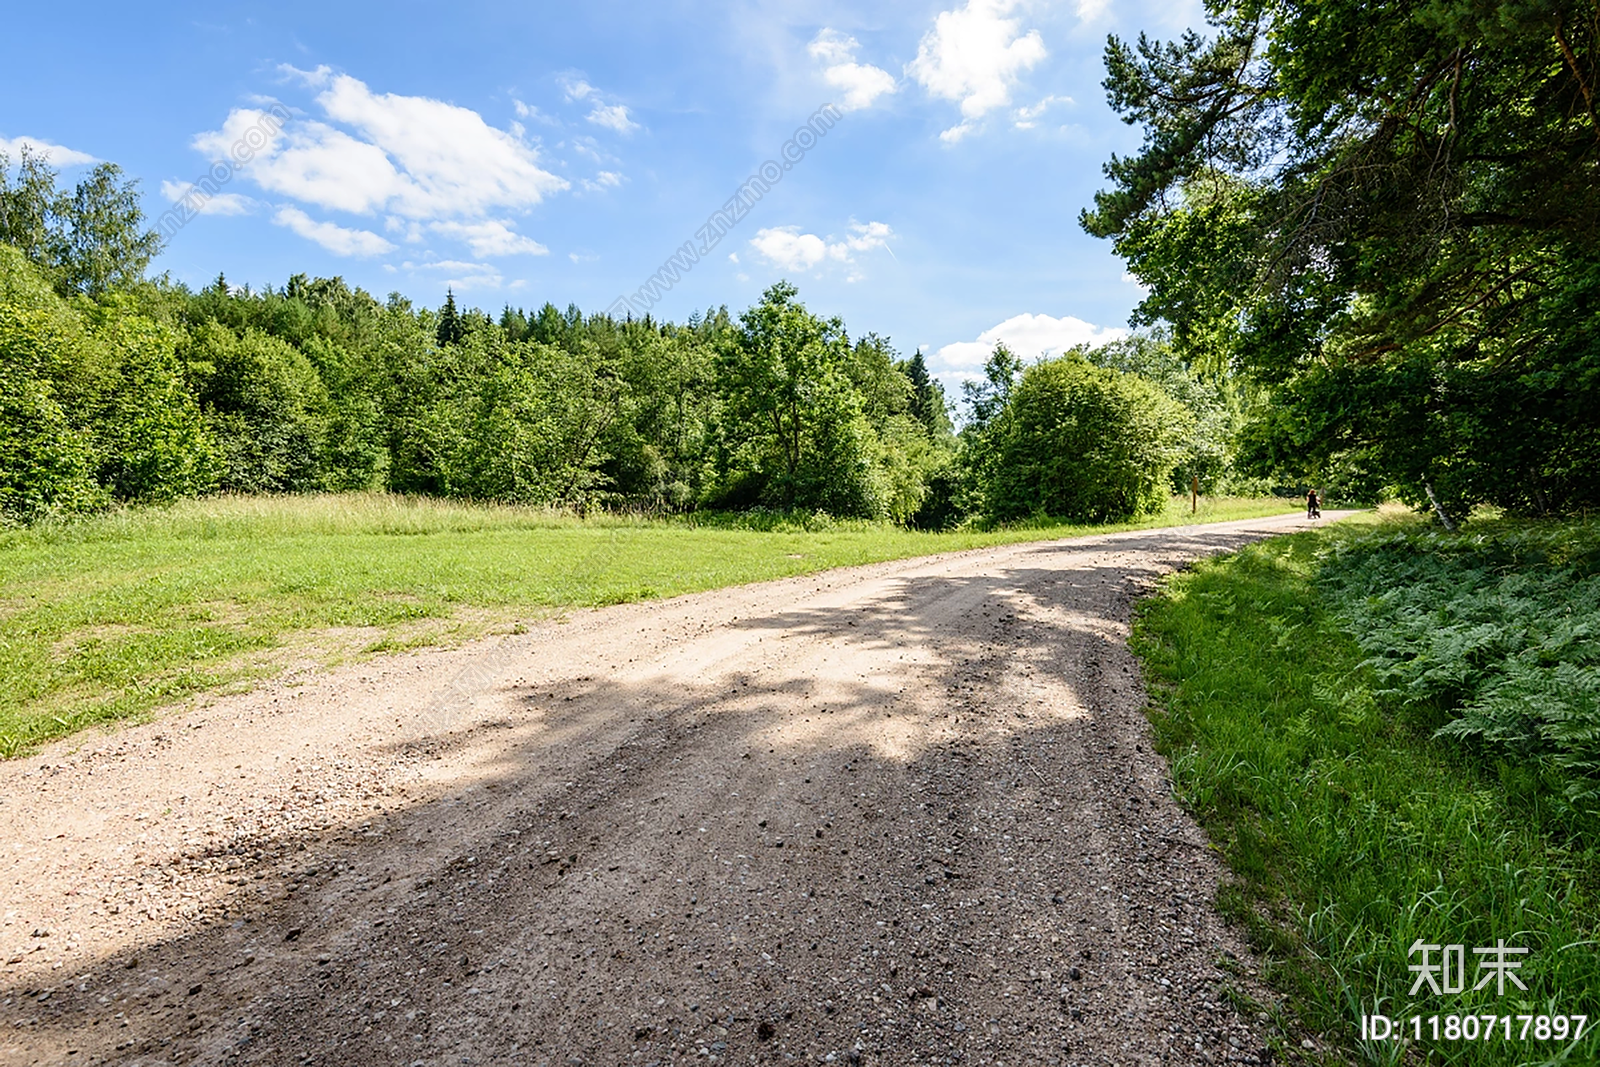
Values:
[(112, 616), (1350, 830)]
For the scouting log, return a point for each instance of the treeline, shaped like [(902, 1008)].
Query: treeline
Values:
[(121, 389)]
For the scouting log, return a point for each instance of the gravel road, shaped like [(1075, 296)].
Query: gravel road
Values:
[(895, 814)]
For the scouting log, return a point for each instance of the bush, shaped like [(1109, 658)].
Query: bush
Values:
[(1082, 443), (150, 439), (267, 407), (46, 463)]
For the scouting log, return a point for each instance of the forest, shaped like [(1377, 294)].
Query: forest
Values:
[(118, 388)]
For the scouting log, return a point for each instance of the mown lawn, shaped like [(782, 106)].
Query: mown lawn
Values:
[(113, 616), (1299, 687)]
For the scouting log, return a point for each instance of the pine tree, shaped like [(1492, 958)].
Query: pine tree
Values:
[(924, 400), (450, 330)]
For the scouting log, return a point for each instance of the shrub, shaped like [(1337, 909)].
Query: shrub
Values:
[(1083, 443)]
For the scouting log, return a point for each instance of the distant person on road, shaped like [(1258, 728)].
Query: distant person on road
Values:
[(1313, 505)]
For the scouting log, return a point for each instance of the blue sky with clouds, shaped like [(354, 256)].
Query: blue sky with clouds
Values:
[(524, 153)]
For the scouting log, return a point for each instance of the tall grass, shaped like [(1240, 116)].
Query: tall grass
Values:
[(1351, 829), (112, 616)]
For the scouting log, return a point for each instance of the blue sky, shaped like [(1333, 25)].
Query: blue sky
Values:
[(562, 152)]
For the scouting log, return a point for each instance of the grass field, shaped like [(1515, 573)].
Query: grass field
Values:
[(1352, 830), (113, 616)]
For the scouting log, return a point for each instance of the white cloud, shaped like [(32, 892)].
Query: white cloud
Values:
[(613, 117), (491, 237), (454, 162), (55, 155), (460, 275), (528, 111), (606, 179), (1026, 116), (1089, 10), (867, 236), (576, 89), (316, 79), (861, 84), (204, 204), (339, 240), (956, 132), (974, 55), (1029, 336), (407, 155), (787, 248), (410, 229)]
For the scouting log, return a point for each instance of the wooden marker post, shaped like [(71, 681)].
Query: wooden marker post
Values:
[(1194, 488)]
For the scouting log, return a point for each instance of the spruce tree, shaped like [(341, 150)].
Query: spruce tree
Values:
[(450, 330), (924, 401)]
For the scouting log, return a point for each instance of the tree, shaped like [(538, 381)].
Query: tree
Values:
[(265, 405), (1216, 404), (1080, 442), (794, 434), (1388, 214), (46, 462), (27, 208), (928, 405), (451, 329), (103, 244), (90, 240)]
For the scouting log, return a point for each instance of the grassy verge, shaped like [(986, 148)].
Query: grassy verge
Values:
[(1351, 830), (111, 617)]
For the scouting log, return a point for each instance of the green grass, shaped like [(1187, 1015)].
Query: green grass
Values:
[(1350, 828), (114, 616)]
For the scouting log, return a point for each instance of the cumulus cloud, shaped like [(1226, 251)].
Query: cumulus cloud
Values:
[(412, 158), (491, 237), (339, 240), (974, 56), (452, 162), (54, 154), (787, 248), (409, 155), (1029, 336), (859, 83), (207, 204)]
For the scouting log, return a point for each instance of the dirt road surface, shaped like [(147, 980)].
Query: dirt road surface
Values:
[(895, 814)]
